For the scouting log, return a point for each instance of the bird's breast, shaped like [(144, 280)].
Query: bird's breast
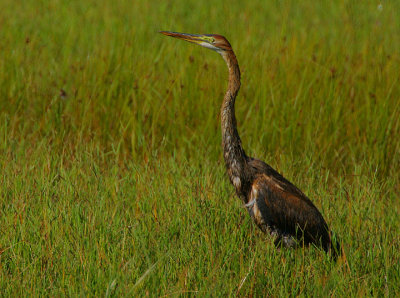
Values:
[(253, 207)]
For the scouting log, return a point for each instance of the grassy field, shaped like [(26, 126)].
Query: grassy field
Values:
[(112, 180)]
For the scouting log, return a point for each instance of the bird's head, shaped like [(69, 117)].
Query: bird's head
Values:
[(214, 42)]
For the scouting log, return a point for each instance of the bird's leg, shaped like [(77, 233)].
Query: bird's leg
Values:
[(285, 241), (278, 242)]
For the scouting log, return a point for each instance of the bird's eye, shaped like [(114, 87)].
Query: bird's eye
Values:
[(210, 39)]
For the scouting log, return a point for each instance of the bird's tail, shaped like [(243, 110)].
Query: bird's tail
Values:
[(334, 249)]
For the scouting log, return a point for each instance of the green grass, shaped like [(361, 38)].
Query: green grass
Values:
[(119, 188)]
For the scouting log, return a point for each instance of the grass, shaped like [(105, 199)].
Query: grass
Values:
[(112, 179)]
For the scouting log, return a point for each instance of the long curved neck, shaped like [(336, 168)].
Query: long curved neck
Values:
[(235, 157)]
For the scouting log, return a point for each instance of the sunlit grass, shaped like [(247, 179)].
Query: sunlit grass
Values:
[(112, 180)]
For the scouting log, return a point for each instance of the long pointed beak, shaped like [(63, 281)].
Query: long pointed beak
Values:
[(195, 38)]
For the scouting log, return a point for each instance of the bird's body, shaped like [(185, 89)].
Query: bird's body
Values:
[(276, 206)]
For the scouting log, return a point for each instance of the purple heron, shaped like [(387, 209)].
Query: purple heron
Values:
[(276, 206)]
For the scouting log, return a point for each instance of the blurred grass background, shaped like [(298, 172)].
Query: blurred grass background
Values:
[(112, 177)]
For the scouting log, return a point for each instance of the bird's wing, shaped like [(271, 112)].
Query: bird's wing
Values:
[(281, 205)]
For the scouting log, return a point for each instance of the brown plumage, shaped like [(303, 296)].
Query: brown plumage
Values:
[(276, 206)]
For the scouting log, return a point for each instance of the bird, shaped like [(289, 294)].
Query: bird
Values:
[(276, 206)]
